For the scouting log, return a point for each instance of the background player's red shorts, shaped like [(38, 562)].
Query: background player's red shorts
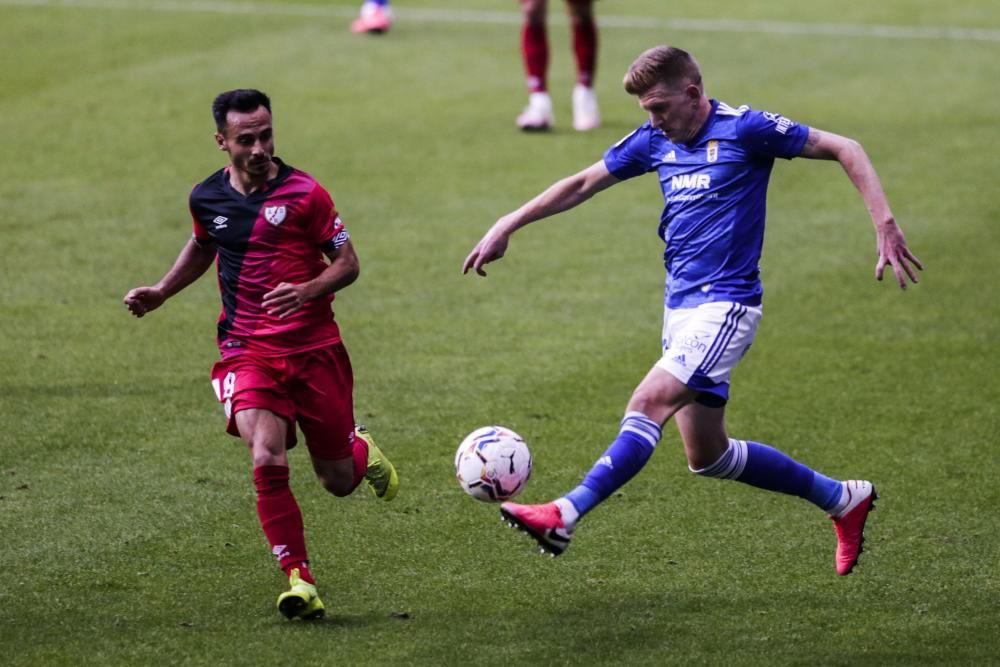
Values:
[(314, 389)]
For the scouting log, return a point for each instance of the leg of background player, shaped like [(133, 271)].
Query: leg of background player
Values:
[(586, 114), (537, 116)]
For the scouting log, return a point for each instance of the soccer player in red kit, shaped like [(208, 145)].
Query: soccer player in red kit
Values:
[(538, 116), (283, 363)]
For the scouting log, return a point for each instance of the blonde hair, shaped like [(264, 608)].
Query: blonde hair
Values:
[(661, 64)]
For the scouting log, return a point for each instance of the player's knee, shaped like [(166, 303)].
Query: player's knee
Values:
[(653, 404), (581, 12), (267, 456), (533, 11)]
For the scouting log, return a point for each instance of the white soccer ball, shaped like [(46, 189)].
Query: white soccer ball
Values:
[(493, 464)]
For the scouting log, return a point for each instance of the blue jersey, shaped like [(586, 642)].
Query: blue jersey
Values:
[(715, 191)]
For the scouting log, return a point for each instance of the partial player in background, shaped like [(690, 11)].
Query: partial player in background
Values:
[(538, 115), (375, 17), (283, 362), (713, 162)]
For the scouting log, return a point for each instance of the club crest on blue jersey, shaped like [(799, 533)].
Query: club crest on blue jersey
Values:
[(712, 151), (274, 214)]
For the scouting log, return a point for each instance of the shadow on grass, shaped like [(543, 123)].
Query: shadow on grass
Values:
[(684, 627), (338, 620), (96, 390)]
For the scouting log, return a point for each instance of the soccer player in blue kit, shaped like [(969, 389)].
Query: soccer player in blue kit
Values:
[(713, 162)]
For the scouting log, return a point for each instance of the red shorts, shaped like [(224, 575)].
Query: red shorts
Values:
[(313, 389)]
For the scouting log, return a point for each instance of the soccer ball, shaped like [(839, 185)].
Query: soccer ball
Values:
[(493, 464)]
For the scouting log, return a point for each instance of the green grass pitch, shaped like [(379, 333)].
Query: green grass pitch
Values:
[(126, 514)]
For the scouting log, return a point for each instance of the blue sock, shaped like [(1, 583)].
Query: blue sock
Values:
[(766, 468), (623, 459), (380, 3)]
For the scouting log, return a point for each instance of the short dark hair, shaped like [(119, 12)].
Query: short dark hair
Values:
[(243, 100), (661, 64)]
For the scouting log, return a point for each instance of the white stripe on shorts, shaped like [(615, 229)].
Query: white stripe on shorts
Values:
[(722, 340)]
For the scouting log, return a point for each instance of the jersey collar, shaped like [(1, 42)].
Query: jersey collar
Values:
[(283, 171)]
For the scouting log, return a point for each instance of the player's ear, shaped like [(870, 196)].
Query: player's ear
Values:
[(220, 140)]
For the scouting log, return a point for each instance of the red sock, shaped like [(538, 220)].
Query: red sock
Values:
[(360, 454), (585, 50), (305, 574), (535, 51), (281, 519)]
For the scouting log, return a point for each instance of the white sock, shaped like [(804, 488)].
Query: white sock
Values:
[(568, 512)]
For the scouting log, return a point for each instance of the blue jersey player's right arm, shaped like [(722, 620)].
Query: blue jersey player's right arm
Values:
[(560, 196)]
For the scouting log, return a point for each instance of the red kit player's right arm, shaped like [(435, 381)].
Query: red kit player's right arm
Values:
[(343, 270), (193, 260)]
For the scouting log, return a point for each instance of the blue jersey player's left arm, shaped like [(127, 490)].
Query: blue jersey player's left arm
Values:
[(891, 245)]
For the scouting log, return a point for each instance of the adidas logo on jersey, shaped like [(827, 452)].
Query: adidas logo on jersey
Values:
[(670, 157)]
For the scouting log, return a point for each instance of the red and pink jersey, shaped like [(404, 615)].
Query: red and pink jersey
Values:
[(274, 235)]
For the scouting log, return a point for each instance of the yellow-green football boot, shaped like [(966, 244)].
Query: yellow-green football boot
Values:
[(301, 601), (381, 475)]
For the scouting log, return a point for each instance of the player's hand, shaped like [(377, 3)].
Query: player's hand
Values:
[(489, 249), (285, 299), (892, 250), (141, 300)]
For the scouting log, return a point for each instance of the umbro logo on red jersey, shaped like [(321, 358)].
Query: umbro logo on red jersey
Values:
[(220, 221), (274, 214)]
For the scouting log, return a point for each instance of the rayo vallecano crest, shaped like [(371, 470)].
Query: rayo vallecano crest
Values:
[(274, 214)]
